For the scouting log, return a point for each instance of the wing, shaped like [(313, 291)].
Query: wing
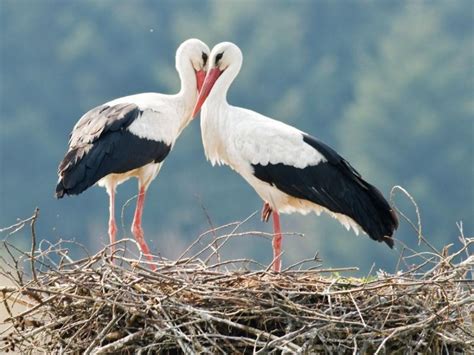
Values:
[(334, 184), (101, 143), (261, 140)]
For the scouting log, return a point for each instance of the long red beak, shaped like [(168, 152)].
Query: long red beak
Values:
[(209, 82), (200, 76)]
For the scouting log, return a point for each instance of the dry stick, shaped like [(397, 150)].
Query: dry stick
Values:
[(208, 217), (19, 279), (417, 211), (319, 271), (273, 261), (46, 326), (466, 243), (416, 325), (358, 310), (175, 329), (418, 216), (202, 235), (116, 345), (315, 258), (17, 226), (122, 212), (234, 261), (246, 296), (102, 334), (33, 244), (8, 289), (225, 339), (34, 308), (226, 238), (356, 350), (79, 297), (208, 316), (462, 238), (233, 231), (56, 248), (5, 302), (400, 258), (85, 323)]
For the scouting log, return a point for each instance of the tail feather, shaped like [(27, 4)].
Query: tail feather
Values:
[(76, 173), (338, 189), (385, 218), (60, 190)]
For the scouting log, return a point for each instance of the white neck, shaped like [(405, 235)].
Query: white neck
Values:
[(187, 77), (187, 94), (218, 94), (214, 113)]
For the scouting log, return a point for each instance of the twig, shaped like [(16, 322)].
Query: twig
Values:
[(212, 228), (116, 345), (17, 226), (76, 306), (33, 244), (122, 212), (102, 334)]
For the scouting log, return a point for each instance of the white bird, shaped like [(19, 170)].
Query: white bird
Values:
[(130, 137), (289, 169)]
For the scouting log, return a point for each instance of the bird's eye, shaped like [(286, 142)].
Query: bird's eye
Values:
[(204, 57), (219, 57)]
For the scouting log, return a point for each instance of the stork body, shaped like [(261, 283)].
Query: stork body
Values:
[(290, 170), (130, 137)]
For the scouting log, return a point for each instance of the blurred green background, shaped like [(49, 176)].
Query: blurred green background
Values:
[(388, 84)]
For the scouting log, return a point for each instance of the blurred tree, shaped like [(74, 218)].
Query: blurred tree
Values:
[(388, 84), (411, 119)]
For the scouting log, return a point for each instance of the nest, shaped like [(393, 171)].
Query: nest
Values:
[(200, 304)]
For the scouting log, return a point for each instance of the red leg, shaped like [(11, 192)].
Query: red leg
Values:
[(276, 242), (112, 224), (137, 229)]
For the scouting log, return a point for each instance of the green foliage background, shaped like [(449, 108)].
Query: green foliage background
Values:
[(389, 84)]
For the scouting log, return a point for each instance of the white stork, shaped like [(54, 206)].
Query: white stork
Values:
[(130, 137), (289, 169)]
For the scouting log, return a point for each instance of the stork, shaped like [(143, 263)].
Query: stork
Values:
[(289, 169), (130, 137)]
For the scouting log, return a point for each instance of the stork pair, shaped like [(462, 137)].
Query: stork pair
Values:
[(290, 170)]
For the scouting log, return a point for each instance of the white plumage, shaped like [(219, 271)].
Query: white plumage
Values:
[(251, 138), (131, 136), (290, 170)]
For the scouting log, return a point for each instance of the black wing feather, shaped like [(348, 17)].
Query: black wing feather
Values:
[(337, 186), (100, 144)]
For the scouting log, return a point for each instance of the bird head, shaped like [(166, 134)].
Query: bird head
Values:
[(197, 52), (223, 56)]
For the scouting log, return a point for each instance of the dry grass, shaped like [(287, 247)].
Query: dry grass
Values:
[(199, 303)]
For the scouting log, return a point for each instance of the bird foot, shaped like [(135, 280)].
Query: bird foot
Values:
[(266, 212), (139, 237)]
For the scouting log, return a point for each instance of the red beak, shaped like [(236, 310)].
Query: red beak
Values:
[(209, 82), (200, 76)]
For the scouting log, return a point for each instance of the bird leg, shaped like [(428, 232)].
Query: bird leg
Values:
[(137, 229), (276, 242), (266, 212), (112, 224)]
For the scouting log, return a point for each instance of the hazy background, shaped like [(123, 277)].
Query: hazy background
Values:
[(388, 84)]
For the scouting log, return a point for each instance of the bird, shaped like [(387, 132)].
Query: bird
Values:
[(289, 169), (130, 137)]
